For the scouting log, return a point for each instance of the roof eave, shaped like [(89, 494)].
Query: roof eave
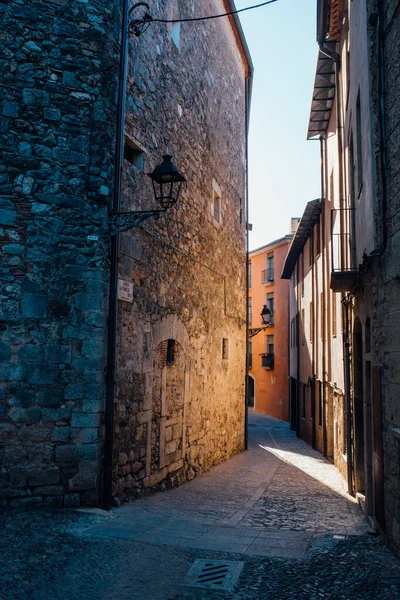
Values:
[(304, 229)]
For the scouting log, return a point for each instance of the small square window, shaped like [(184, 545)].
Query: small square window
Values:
[(225, 349), (134, 154), (217, 207), (176, 29), (170, 352)]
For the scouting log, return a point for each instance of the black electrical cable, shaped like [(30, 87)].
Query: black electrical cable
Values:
[(233, 12), (140, 25)]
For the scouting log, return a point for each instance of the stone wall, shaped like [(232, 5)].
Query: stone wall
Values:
[(174, 421), (59, 70), (384, 273)]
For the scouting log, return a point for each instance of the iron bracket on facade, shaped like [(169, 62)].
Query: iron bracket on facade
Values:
[(254, 330), (124, 221)]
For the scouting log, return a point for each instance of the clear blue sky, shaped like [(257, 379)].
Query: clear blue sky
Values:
[(284, 168)]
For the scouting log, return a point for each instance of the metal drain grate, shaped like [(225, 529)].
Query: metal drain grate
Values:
[(214, 574)]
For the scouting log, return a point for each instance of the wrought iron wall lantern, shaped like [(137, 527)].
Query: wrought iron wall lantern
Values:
[(266, 322), (265, 313), (167, 182)]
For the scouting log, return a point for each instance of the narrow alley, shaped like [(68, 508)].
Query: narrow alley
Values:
[(276, 518)]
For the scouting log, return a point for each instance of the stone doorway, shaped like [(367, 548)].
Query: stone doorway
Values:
[(168, 409)]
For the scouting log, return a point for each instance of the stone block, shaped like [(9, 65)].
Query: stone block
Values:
[(18, 477), (72, 500), (41, 374), (61, 434), (66, 155), (48, 490), (58, 354), (7, 217), (74, 453), (10, 109), (26, 502), (44, 476), (88, 301), (122, 458), (82, 481), (5, 351), (53, 501), (34, 414), (12, 372), (144, 417), (56, 414), (50, 398), (74, 391), (30, 353), (168, 434), (170, 447), (34, 306), (35, 97), (16, 249), (52, 114), (85, 420), (85, 436)]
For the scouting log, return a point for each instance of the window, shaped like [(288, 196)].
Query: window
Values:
[(269, 344), (217, 207), (225, 348), (359, 145), (250, 273), (175, 29), (216, 203), (303, 333), (320, 409), (311, 251), (303, 404), (311, 322), (250, 311), (322, 312), (133, 154), (334, 320), (269, 301), (270, 267), (250, 354), (170, 352)]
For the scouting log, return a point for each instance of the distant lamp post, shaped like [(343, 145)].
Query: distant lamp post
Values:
[(167, 182), (264, 314)]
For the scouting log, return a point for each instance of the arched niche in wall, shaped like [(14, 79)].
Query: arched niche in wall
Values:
[(170, 342)]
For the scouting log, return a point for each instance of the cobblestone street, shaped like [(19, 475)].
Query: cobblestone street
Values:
[(280, 509)]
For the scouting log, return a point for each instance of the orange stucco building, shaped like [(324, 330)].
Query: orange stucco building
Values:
[(269, 349)]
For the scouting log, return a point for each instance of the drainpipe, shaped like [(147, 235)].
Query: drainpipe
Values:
[(324, 301), (113, 293), (248, 84), (382, 123), (298, 338), (313, 340)]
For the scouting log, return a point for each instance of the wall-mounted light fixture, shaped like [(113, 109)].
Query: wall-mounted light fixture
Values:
[(265, 313), (167, 183)]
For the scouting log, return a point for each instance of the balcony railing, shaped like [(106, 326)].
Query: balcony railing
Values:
[(267, 361), (344, 274), (267, 276)]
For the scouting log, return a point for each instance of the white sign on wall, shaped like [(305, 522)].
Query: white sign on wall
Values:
[(125, 290)]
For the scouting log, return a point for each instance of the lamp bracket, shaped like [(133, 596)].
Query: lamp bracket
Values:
[(254, 330), (123, 221)]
